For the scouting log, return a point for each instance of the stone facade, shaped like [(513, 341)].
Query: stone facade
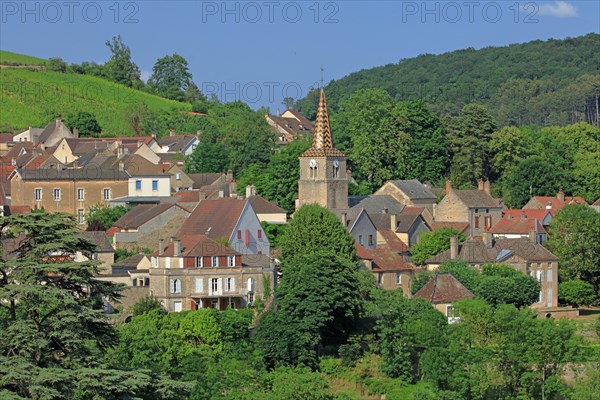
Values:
[(323, 183)]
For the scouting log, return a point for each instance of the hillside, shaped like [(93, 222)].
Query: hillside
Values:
[(540, 82), (34, 97)]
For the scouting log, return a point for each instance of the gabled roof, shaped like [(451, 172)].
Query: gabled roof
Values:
[(443, 289), (263, 206), (214, 218), (556, 203), (70, 174), (375, 204), (99, 239), (461, 227), (187, 196), (54, 130), (15, 151), (303, 120), (414, 189), (143, 213), (137, 165), (408, 217), (176, 143), (389, 260), (392, 241), (130, 262), (517, 226), (198, 246), (532, 213), (476, 198), (6, 137), (476, 252), (597, 203), (206, 179)]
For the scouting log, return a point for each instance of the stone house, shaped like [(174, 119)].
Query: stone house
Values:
[(230, 220), (265, 210), (70, 190), (104, 252), (544, 216), (289, 126), (524, 255), (411, 225), (442, 290), (476, 207), (48, 136), (510, 228), (552, 203), (409, 193), (194, 271)]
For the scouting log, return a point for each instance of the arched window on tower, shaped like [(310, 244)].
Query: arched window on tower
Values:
[(313, 169)]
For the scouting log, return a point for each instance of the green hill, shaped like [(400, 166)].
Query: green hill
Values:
[(29, 97), (540, 82)]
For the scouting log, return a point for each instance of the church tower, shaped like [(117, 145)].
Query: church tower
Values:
[(323, 177)]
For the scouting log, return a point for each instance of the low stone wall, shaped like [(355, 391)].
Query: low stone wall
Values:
[(558, 312)]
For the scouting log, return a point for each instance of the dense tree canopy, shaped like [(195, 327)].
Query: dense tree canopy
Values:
[(433, 243), (171, 77), (85, 122), (120, 68)]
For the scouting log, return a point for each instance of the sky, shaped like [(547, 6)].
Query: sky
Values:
[(262, 51)]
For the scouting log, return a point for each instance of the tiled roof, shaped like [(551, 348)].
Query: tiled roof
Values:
[(556, 204), (256, 260), (141, 214), (322, 145), (407, 218), (15, 150), (375, 204), (214, 218), (69, 174), (597, 202), (205, 179), (443, 289), (54, 127), (517, 226), (389, 260), (99, 239), (130, 262), (476, 252), (197, 246), (312, 152), (476, 198), (393, 242), (187, 196), (6, 137), (361, 252), (13, 210), (532, 213), (414, 189), (262, 206), (176, 143), (303, 120)]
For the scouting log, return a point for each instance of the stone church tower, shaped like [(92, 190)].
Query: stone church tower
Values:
[(323, 177)]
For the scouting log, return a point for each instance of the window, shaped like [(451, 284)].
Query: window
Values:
[(199, 285), (56, 194), (229, 284), (80, 216), (380, 278), (488, 221), (214, 285), (477, 222), (259, 234), (37, 193), (250, 298), (450, 312), (540, 276), (106, 194), (80, 194), (231, 303), (231, 261), (239, 234), (215, 261), (398, 278), (138, 184), (370, 240), (175, 286), (154, 185), (199, 262), (549, 275), (360, 240), (336, 171), (251, 284), (177, 306), (178, 177), (214, 303)]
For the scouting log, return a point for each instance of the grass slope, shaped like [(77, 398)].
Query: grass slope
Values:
[(33, 97), (9, 58)]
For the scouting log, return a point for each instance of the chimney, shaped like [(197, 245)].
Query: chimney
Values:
[(523, 216), (161, 247), (509, 216), (344, 219), (532, 236), (453, 247), (58, 121), (176, 247), (393, 222), (560, 195), (229, 176), (172, 132), (488, 240), (487, 186), (448, 186), (548, 205), (250, 191), (480, 184), (385, 210), (75, 133)]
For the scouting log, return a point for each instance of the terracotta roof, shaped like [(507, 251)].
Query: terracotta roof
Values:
[(15, 150), (443, 289), (141, 214), (205, 179), (99, 239), (13, 210), (476, 198), (361, 252), (214, 218), (393, 242), (517, 226), (262, 206), (312, 152), (322, 145), (556, 204), (197, 246), (187, 196), (597, 202), (6, 137), (476, 252), (532, 213), (389, 260), (459, 226), (303, 120)]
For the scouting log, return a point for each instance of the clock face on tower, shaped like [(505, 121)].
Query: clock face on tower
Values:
[(336, 163), (312, 163)]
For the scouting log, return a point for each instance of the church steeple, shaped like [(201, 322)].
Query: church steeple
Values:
[(322, 137)]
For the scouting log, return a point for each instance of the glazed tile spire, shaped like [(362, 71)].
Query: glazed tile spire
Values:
[(322, 137)]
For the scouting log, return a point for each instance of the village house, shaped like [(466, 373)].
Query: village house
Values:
[(103, 252), (194, 271), (178, 144), (289, 126), (411, 225), (228, 220), (48, 136), (265, 210), (544, 216), (409, 193), (512, 228), (443, 290), (523, 254), (552, 203), (476, 207)]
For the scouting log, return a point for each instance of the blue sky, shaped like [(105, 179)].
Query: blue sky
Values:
[(260, 51)]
